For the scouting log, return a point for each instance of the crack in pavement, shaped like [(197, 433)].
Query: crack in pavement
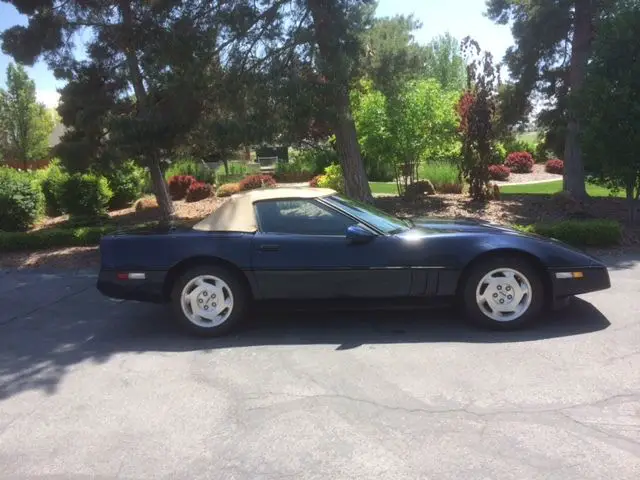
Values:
[(467, 409)]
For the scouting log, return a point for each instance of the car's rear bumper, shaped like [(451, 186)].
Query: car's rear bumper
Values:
[(593, 279), (147, 289)]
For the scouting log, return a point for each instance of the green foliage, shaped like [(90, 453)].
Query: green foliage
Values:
[(51, 180), (440, 173), (315, 160), (26, 123), (499, 153), (293, 171), (189, 166), (397, 134), (391, 57), (86, 196), (519, 145), (332, 178), (445, 63), (53, 237), (580, 233), (21, 200), (126, 182), (609, 106), (237, 171)]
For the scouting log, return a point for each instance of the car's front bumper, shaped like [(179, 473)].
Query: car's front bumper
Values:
[(576, 281), (147, 289)]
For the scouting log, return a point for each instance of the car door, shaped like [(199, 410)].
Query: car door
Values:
[(301, 251)]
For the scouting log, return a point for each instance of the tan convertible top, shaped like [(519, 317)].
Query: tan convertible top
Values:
[(237, 213)]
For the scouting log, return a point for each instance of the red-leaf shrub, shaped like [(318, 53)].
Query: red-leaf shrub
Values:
[(314, 181), (554, 166), (179, 184), (519, 162), (198, 191), (256, 181), (499, 172)]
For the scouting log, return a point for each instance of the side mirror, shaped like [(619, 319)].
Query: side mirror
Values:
[(358, 235)]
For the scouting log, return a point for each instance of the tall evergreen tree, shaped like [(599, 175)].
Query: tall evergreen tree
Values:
[(148, 66), (337, 29), (553, 43)]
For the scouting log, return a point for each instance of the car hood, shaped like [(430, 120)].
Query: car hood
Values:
[(430, 226), (446, 225)]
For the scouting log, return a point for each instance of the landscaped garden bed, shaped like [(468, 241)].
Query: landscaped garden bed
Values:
[(521, 210)]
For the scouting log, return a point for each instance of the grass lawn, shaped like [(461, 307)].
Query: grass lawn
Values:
[(384, 188), (551, 188)]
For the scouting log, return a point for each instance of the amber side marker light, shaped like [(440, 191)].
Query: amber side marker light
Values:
[(575, 275)]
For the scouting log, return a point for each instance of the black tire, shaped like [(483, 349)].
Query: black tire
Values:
[(240, 294), (477, 272)]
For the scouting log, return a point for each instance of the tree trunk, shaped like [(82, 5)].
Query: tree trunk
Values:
[(355, 176), (160, 189), (574, 177), (334, 67), (632, 200)]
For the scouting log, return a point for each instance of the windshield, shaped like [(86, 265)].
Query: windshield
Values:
[(384, 222)]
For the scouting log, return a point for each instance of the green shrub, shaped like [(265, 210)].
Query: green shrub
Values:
[(498, 154), (440, 173), (516, 145), (332, 178), (237, 171), (51, 180), (294, 171), (86, 195), (580, 233), (51, 238), (190, 167), (315, 160), (21, 200), (126, 183)]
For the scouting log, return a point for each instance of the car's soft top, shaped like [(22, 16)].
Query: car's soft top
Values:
[(237, 213)]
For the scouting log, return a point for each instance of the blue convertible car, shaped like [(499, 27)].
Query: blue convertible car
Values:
[(311, 244)]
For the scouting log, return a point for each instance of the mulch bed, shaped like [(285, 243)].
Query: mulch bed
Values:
[(512, 209), (539, 174)]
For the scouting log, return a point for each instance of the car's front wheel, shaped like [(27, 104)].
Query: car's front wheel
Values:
[(209, 300), (503, 293)]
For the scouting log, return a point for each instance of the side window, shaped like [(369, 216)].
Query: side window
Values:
[(304, 217)]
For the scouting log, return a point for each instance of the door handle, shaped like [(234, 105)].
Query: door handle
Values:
[(269, 248)]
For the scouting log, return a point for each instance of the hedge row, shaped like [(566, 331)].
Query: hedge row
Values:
[(51, 238), (589, 233), (580, 233)]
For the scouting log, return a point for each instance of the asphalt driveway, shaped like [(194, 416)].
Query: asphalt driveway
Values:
[(91, 387)]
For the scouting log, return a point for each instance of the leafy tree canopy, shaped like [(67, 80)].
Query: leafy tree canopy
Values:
[(609, 105), (25, 124)]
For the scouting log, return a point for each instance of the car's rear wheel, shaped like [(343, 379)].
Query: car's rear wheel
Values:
[(503, 293), (209, 300)]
